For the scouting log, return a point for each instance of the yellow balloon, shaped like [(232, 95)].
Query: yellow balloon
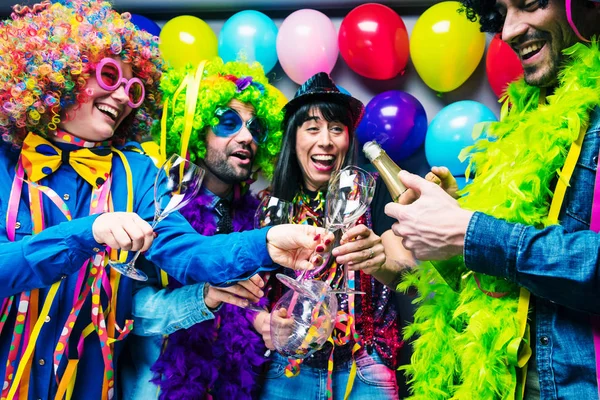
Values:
[(281, 99), (445, 47), (187, 39)]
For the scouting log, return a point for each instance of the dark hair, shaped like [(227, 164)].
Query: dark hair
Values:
[(485, 11), (287, 177)]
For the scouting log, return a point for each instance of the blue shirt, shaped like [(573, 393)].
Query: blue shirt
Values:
[(59, 251), (560, 266), (158, 312)]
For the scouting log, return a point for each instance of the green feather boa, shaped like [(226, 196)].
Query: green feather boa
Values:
[(461, 347)]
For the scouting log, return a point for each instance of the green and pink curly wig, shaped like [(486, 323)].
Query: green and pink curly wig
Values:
[(221, 83), (49, 51)]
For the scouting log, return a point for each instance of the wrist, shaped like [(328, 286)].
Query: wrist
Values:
[(259, 320), (210, 303), (462, 223)]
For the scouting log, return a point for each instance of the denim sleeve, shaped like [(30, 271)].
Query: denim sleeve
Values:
[(551, 263), (42, 259), (164, 311)]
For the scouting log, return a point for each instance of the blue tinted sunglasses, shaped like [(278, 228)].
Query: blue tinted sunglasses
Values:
[(230, 123)]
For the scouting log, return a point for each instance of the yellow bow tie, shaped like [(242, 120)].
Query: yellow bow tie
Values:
[(41, 158)]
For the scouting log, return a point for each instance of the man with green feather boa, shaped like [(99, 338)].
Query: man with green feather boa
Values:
[(509, 304)]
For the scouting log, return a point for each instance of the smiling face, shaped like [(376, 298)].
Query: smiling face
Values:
[(321, 148), (538, 35), (97, 119), (230, 159)]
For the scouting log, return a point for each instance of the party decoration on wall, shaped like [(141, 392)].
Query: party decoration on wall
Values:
[(502, 65), (145, 24), (445, 46), (452, 130), (307, 44), (251, 35), (396, 120), (374, 42), (187, 39)]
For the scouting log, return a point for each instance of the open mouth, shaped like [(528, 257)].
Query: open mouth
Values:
[(323, 160), (531, 50), (111, 112), (242, 155)]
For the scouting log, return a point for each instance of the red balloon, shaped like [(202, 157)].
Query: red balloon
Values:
[(502, 65), (374, 42)]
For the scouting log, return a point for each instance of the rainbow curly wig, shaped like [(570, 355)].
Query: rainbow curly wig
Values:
[(221, 83), (48, 53)]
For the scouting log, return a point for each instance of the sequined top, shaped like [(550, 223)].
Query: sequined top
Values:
[(376, 317)]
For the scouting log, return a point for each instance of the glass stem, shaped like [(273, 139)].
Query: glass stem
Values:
[(135, 257), (345, 266), (131, 263), (346, 286)]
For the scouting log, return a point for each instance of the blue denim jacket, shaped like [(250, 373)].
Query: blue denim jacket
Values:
[(560, 266)]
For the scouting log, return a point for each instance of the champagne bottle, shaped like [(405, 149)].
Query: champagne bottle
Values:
[(450, 270), (388, 170)]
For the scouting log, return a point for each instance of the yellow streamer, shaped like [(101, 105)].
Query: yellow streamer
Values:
[(129, 179), (523, 306), (163, 130), (191, 99), (565, 176), (34, 336)]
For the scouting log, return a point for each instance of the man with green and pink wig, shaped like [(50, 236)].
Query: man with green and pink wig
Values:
[(212, 349)]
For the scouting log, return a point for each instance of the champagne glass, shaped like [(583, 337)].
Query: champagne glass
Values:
[(362, 190), (298, 330), (273, 211), (349, 195), (177, 182)]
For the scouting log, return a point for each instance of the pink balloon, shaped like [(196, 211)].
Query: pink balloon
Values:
[(306, 44)]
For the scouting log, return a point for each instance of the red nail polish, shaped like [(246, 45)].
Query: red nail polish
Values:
[(320, 249), (317, 237), (155, 234), (327, 242)]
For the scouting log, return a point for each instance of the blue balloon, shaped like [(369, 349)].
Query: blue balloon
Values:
[(451, 131), (249, 35), (397, 121), (145, 24), (341, 89)]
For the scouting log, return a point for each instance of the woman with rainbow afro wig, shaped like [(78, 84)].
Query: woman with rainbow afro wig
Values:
[(48, 53), (77, 79), (220, 83)]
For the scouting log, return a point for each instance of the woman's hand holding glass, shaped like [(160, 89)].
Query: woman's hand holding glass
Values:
[(349, 194), (310, 303), (360, 249)]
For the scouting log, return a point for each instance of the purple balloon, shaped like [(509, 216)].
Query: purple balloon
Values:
[(397, 121)]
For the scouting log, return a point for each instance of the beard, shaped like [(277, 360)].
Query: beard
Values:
[(218, 165)]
